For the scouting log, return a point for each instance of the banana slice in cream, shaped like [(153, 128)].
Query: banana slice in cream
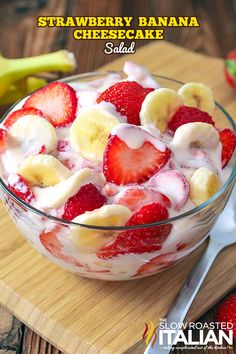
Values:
[(90, 240), (89, 133), (159, 106), (203, 185), (198, 134), (198, 95), (34, 129), (43, 170), (56, 196)]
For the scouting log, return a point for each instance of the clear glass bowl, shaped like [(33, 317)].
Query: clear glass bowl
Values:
[(51, 236)]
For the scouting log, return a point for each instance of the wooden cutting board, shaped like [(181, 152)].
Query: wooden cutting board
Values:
[(81, 315)]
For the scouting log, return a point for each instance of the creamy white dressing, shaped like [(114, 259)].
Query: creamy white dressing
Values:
[(109, 107), (86, 98), (56, 196), (139, 74), (51, 199), (135, 136), (184, 160)]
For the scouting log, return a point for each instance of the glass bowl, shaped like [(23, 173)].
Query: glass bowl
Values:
[(51, 235)]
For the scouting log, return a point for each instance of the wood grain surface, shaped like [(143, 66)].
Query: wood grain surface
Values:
[(88, 316), (20, 37)]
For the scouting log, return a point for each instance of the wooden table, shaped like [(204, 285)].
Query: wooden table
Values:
[(20, 37)]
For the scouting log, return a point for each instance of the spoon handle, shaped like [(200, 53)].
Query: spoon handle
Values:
[(185, 298)]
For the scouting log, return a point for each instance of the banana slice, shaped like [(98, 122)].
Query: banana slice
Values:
[(90, 240), (203, 185), (35, 129), (198, 134), (159, 106), (198, 95), (89, 133), (56, 196), (43, 170)]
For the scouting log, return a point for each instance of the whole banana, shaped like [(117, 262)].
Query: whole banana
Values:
[(12, 70)]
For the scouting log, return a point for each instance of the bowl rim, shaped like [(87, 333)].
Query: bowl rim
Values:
[(195, 210)]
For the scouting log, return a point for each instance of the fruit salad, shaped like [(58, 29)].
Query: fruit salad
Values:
[(120, 155)]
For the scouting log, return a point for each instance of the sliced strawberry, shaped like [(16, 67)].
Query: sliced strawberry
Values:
[(124, 165), (87, 199), (173, 184), (128, 97), (134, 198), (3, 135), (186, 115), (20, 188), (157, 263), (51, 243), (226, 313), (14, 116), (144, 239), (57, 101), (228, 141)]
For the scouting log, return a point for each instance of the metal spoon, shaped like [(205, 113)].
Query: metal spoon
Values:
[(222, 235)]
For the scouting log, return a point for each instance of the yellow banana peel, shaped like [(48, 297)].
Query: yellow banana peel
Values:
[(13, 70), (21, 88)]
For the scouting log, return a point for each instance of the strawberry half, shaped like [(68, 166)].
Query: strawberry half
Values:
[(230, 68), (57, 101), (228, 141), (134, 198), (157, 263), (173, 184), (143, 239), (226, 313), (3, 135), (127, 97), (124, 165), (20, 188), (51, 243), (87, 199), (14, 116), (186, 115)]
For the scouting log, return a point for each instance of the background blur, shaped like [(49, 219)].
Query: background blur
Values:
[(20, 37)]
